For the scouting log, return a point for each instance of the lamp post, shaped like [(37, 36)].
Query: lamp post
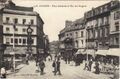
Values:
[(29, 40)]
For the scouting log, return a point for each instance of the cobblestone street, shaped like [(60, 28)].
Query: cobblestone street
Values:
[(68, 72)]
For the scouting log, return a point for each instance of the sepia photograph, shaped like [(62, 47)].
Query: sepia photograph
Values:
[(59, 39)]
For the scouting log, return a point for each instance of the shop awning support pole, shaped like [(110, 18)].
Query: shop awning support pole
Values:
[(14, 47)]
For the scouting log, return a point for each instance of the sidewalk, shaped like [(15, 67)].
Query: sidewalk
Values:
[(9, 72)]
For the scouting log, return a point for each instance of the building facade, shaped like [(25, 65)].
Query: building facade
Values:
[(115, 25), (16, 19), (102, 27), (76, 32), (97, 27), (99, 31)]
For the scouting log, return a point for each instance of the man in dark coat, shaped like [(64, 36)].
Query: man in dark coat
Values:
[(42, 66), (97, 69)]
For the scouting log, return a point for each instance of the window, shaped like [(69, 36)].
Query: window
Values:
[(24, 30), (76, 43), (101, 9), (106, 32), (11, 40), (31, 21), (67, 34), (7, 19), (117, 40), (32, 41), (96, 33), (24, 41), (7, 40), (88, 34), (16, 29), (82, 42), (106, 20), (102, 22), (19, 40), (24, 21), (81, 33), (16, 41), (100, 32), (7, 29), (75, 24), (106, 7), (76, 34), (116, 26), (70, 34), (117, 15), (15, 20)]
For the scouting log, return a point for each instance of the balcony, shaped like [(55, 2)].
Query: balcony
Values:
[(115, 32), (114, 46), (18, 24)]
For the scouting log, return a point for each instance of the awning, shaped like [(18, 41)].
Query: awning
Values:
[(114, 52), (80, 51), (90, 52), (102, 52)]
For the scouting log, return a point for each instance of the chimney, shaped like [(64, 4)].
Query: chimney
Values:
[(68, 23)]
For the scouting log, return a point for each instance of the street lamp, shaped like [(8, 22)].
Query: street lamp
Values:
[(29, 40)]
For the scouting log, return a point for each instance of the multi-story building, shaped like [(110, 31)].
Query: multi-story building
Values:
[(97, 27), (75, 32), (115, 30), (115, 25), (100, 27), (15, 19)]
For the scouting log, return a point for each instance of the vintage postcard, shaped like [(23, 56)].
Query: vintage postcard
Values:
[(59, 39)]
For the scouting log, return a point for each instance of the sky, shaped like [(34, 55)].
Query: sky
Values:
[(55, 13)]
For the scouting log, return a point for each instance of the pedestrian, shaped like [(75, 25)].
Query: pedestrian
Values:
[(90, 64), (97, 69), (27, 61), (56, 65), (36, 61), (86, 65), (42, 66), (27, 58), (3, 73)]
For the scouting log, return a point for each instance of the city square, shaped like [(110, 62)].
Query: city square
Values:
[(34, 44)]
